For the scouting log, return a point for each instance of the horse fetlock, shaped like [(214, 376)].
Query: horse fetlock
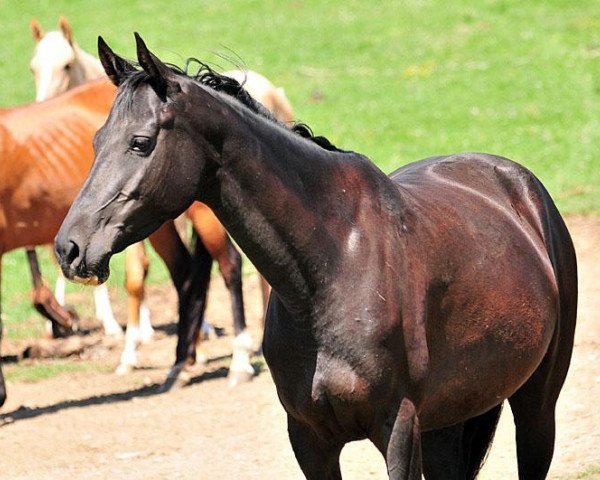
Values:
[(241, 370)]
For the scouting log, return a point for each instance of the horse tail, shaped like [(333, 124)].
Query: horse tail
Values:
[(564, 263), (477, 436)]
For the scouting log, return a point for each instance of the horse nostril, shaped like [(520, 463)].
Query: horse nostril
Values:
[(72, 254)]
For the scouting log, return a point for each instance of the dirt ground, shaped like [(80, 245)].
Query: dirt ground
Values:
[(80, 426)]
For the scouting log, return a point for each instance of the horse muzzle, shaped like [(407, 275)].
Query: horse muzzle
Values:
[(77, 261)]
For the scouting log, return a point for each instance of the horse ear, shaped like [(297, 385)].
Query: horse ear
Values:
[(162, 78), (36, 29), (115, 67), (66, 29)]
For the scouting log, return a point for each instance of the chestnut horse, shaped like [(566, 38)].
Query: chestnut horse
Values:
[(405, 308), (59, 64)]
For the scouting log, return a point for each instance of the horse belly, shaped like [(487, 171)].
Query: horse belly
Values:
[(474, 370)]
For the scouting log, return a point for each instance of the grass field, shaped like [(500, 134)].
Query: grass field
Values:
[(398, 81)]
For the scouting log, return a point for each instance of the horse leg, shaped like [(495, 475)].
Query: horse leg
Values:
[(265, 290), (104, 312), (400, 443), (2, 385), (221, 248), (317, 459), (533, 408), (442, 454), (190, 275), (136, 269), (61, 320), (458, 452)]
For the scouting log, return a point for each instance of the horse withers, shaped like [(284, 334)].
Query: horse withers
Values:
[(405, 308)]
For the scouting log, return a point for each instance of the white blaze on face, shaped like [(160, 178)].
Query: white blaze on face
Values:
[(52, 65)]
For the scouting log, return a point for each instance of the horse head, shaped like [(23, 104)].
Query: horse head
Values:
[(56, 64), (131, 189)]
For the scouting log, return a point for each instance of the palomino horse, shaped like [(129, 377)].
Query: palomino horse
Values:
[(405, 309), (59, 64)]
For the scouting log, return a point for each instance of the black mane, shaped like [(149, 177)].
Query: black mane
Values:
[(206, 76)]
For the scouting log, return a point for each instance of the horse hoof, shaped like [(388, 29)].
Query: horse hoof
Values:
[(177, 377), (236, 378)]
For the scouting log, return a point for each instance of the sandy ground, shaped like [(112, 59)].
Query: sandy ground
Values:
[(79, 426)]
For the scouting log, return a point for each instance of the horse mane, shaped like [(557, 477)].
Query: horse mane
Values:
[(206, 76)]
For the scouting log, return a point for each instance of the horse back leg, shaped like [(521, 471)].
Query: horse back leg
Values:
[(136, 269), (533, 404), (221, 248), (319, 460), (533, 407), (190, 275)]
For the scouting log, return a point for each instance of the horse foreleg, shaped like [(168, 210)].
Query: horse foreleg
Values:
[(459, 451), (399, 440), (62, 320), (136, 268), (318, 459), (221, 248)]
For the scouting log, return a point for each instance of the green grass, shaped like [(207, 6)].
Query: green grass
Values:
[(32, 371), (397, 81)]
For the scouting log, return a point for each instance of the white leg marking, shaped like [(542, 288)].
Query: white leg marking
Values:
[(242, 349), (146, 330), (104, 312), (129, 355), (59, 289)]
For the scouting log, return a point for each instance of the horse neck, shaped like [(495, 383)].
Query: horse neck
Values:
[(282, 198), (86, 67)]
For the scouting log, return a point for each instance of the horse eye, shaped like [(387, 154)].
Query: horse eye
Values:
[(141, 145), (67, 67)]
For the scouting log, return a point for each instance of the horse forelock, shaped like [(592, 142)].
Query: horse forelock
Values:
[(54, 46), (207, 77)]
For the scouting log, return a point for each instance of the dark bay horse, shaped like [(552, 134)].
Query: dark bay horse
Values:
[(58, 64), (405, 309)]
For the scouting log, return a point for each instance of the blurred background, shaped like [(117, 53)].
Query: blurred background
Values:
[(395, 80)]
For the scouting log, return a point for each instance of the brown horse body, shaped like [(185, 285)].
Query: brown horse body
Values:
[(406, 308), (43, 168)]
